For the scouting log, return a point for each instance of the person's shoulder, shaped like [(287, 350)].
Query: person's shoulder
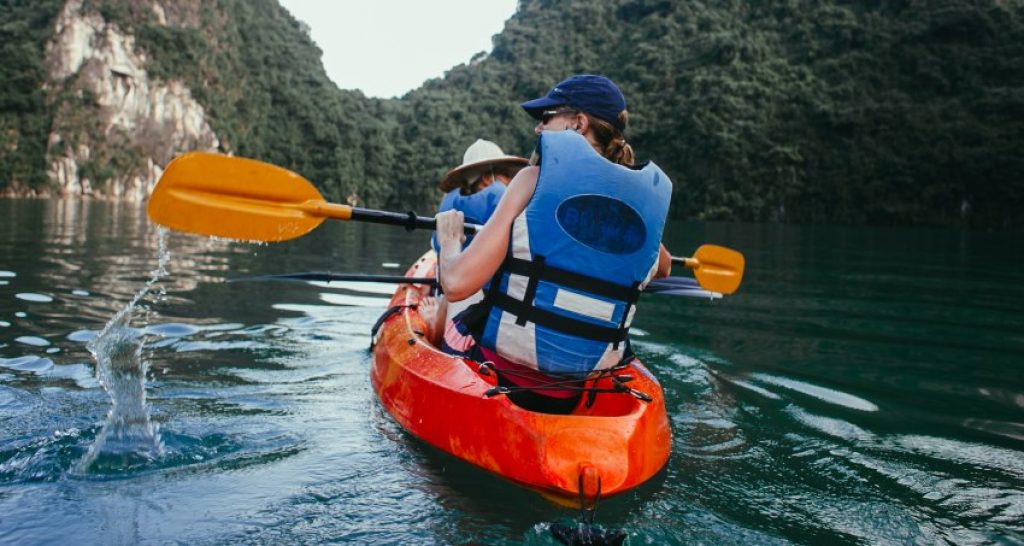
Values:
[(528, 173), (525, 180)]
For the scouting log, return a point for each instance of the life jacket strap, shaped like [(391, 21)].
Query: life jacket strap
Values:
[(525, 312), (537, 270), (625, 313)]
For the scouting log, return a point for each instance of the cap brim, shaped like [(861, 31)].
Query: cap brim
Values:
[(536, 107), (453, 178)]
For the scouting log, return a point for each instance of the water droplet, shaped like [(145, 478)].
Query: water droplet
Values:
[(21, 314), (7, 274), (80, 292)]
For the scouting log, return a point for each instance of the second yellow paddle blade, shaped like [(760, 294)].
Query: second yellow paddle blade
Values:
[(233, 197), (719, 269)]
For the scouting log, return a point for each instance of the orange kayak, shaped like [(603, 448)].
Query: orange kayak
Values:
[(616, 444)]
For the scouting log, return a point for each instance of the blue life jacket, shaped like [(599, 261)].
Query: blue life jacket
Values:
[(580, 253), (477, 208)]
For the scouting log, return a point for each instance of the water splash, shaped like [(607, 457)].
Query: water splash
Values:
[(128, 437)]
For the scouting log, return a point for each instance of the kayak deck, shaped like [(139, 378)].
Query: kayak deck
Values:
[(619, 440)]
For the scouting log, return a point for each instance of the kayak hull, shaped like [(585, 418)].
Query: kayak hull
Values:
[(619, 440)]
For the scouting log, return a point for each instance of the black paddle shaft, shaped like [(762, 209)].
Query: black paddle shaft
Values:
[(669, 286), (344, 277), (408, 220)]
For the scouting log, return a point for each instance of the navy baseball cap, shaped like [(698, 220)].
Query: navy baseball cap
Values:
[(595, 95)]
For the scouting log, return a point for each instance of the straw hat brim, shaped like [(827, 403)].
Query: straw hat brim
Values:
[(453, 178)]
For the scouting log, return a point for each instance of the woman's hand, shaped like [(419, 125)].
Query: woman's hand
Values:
[(450, 236), (451, 231)]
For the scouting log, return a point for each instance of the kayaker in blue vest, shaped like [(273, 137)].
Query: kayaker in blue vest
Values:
[(565, 255), (474, 188)]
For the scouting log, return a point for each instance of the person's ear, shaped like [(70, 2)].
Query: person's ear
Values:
[(582, 124)]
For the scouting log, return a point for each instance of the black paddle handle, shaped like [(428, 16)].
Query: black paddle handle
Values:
[(408, 220)]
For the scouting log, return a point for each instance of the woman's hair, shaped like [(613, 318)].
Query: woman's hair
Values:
[(613, 145)]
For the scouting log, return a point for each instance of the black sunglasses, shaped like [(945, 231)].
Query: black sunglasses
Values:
[(548, 115)]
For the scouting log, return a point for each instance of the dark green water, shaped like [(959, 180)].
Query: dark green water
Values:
[(865, 386)]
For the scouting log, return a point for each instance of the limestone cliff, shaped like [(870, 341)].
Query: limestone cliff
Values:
[(114, 127)]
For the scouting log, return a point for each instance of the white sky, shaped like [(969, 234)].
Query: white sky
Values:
[(389, 47)]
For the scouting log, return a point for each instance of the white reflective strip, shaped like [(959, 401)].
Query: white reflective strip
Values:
[(517, 286), (517, 343), (514, 342), (456, 307), (630, 315), (521, 238), (610, 357), (584, 305), (650, 273)]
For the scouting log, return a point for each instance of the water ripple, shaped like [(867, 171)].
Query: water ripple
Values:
[(33, 364), (173, 329), (831, 396), (82, 336), (34, 341), (977, 455), (33, 297), (356, 301), (836, 428)]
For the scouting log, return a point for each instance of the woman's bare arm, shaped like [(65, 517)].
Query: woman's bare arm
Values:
[(465, 272), (664, 263)]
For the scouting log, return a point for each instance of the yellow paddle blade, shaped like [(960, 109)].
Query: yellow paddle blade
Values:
[(717, 268), (237, 198)]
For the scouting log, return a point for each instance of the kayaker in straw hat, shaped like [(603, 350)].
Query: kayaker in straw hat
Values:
[(567, 252), (473, 188), (482, 164)]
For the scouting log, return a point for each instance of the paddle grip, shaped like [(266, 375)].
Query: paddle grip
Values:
[(409, 220), (688, 262)]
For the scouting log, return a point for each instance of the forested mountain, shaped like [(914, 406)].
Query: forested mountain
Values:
[(896, 112)]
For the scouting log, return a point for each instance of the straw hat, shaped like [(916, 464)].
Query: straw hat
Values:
[(480, 155)]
